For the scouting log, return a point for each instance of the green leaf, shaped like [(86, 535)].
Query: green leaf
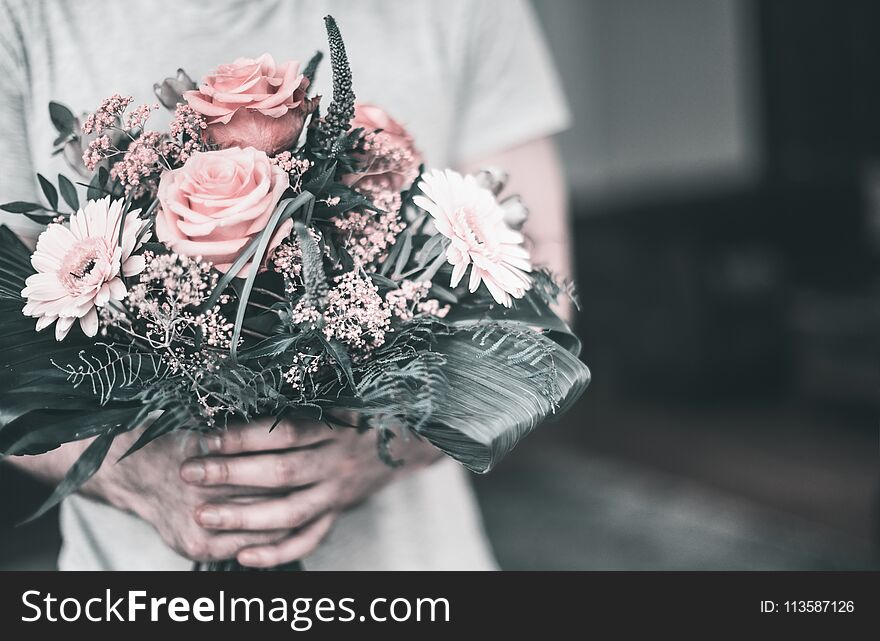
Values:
[(317, 184), (441, 293), (60, 139), (340, 355), (49, 191), (314, 276), (43, 430), (20, 207), (312, 67), (531, 310), (494, 398), (68, 192), (432, 247), (62, 118), (272, 346), (97, 185), (170, 420), (403, 255), (85, 467), (382, 281), (304, 201), (439, 261)]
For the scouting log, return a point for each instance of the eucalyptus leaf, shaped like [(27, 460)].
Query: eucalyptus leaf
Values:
[(49, 191), (68, 192), (62, 118), (98, 185), (20, 207), (382, 281)]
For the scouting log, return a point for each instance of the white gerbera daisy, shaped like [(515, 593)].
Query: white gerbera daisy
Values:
[(470, 216), (79, 265)]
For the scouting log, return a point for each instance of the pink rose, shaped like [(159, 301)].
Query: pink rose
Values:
[(217, 202), (390, 160), (253, 103)]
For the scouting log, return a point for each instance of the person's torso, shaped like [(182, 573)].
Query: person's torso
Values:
[(403, 59)]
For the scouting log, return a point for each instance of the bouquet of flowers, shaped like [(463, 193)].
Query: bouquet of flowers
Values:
[(267, 257)]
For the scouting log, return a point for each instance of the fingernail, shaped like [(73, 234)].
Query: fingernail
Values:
[(214, 443), (209, 517), (248, 558), (193, 472)]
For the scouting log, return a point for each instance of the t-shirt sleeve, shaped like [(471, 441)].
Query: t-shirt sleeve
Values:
[(510, 92), (17, 180)]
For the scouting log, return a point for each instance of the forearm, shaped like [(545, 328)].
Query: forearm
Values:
[(105, 485), (536, 175), (51, 466)]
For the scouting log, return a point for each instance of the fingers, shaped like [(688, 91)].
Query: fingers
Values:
[(225, 545), (293, 468), (298, 545), (257, 437), (287, 512)]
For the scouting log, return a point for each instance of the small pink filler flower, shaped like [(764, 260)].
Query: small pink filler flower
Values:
[(472, 219), (79, 266)]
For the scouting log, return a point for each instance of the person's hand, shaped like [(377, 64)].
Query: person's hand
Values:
[(148, 484), (313, 472)]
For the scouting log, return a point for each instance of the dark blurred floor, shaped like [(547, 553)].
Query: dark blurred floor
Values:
[(625, 485)]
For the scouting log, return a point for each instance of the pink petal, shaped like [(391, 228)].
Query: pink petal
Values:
[(63, 326), (134, 265), (89, 323)]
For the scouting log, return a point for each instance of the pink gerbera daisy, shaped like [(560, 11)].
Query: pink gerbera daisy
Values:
[(79, 266), (470, 216)]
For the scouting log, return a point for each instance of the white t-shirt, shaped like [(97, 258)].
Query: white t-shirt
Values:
[(467, 78)]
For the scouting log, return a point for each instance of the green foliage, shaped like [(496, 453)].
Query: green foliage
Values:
[(85, 467), (27, 210), (172, 419), (314, 277), (113, 371), (312, 67), (335, 123), (473, 384), (49, 192), (68, 192), (495, 397), (62, 118)]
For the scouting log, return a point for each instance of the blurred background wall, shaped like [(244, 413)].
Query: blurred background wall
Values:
[(664, 94), (725, 187)]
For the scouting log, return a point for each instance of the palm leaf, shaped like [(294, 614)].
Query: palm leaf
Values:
[(85, 467), (39, 431), (495, 398)]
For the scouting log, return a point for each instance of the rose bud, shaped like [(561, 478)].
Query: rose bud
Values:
[(170, 91), (492, 178), (515, 212), (254, 103), (390, 159)]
